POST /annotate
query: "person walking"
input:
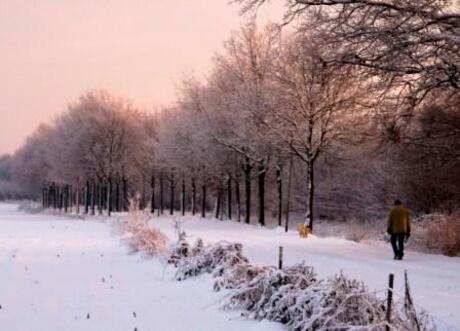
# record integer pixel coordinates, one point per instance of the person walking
(398, 229)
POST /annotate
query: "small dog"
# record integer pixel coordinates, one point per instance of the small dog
(304, 231)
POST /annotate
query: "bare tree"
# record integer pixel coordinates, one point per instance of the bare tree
(317, 106)
(412, 45)
(238, 97)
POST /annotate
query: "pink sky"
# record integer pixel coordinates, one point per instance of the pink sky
(51, 51)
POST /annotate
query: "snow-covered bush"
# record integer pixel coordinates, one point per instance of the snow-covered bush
(438, 233)
(238, 275)
(213, 259)
(267, 295)
(139, 236)
(293, 295)
(354, 229)
(181, 249)
(339, 303)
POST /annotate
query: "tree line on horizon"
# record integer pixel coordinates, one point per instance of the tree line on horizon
(356, 105)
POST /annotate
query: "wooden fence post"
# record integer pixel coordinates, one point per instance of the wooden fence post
(389, 300)
(280, 258)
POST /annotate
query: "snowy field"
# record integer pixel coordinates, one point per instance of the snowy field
(55, 271)
(61, 273)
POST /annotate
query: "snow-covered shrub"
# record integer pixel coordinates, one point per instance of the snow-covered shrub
(238, 275)
(336, 304)
(139, 236)
(353, 229)
(438, 233)
(294, 297)
(357, 232)
(198, 247)
(213, 259)
(447, 233)
(181, 249)
(268, 294)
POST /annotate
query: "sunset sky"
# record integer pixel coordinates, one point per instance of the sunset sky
(51, 51)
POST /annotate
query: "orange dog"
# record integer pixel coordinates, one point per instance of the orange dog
(304, 231)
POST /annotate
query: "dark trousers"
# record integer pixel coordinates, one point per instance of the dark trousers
(397, 242)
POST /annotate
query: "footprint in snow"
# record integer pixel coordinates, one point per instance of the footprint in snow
(134, 314)
(88, 316)
(103, 279)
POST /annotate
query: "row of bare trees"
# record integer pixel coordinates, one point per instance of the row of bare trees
(356, 105)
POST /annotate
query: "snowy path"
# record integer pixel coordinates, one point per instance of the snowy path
(55, 271)
(434, 279)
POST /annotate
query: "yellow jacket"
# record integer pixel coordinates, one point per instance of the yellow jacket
(399, 221)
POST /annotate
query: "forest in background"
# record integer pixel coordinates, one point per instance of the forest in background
(347, 106)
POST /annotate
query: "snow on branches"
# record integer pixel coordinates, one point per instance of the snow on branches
(215, 259)
(294, 295)
(139, 236)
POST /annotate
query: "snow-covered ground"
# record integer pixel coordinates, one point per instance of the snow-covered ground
(56, 270)
(67, 274)
(434, 279)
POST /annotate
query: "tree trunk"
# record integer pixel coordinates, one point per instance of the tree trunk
(261, 192)
(183, 198)
(50, 197)
(100, 197)
(109, 196)
(117, 195)
(61, 198)
(70, 204)
(311, 192)
(77, 198)
(50, 194)
(171, 200)
(65, 196)
(238, 199)
(125, 201)
(193, 196)
(218, 203)
(143, 200)
(69, 199)
(279, 184)
(152, 198)
(161, 194)
(56, 197)
(229, 197)
(247, 181)
(43, 198)
(87, 197)
(93, 198)
(288, 202)
(103, 196)
(203, 201)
